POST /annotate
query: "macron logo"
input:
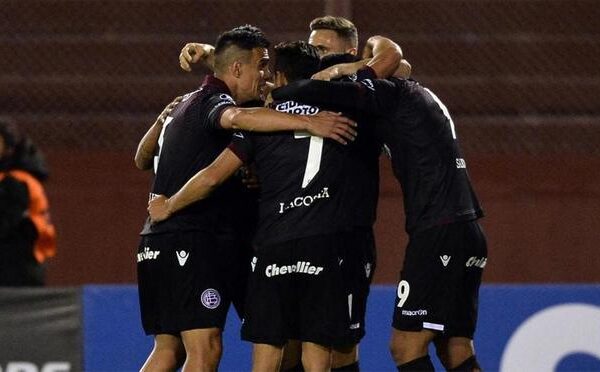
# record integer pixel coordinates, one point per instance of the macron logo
(182, 257)
(445, 259)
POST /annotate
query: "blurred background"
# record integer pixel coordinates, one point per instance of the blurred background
(86, 78)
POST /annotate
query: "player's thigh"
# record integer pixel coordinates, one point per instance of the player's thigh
(357, 250)
(440, 279)
(270, 297)
(155, 279)
(200, 293)
(324, 311)
(423, 288)
(471, 250)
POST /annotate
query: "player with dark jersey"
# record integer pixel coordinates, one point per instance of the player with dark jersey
(302, 238)
(189, 267)
(438, 291)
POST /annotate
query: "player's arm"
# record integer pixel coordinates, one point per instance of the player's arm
(148, 146)
(373, 97)
(260, 119)
(404, 70)
(197, 188)
(196, 52)
(380, 54)
(385, 55)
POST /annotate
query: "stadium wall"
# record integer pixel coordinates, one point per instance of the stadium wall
(520, 77)
(541, 221)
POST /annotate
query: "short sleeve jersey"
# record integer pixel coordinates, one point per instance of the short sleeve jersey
(426, 159)
(300, 177)
(421, 136)
(191, 139)
(361, 176)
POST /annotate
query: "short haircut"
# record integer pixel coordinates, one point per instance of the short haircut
(343, 27)
(297, 60)
(240, 39)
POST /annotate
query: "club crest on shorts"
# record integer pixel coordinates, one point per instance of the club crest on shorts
(211, 299)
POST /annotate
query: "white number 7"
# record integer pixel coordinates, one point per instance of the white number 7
(161, 139)
(444, 110)
(313, 161)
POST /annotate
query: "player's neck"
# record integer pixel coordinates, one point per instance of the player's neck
(231, 83)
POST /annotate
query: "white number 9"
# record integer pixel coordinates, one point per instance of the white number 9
(403, 291)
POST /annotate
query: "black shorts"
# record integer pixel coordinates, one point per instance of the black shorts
(440, 279)
(358, 268)
(297, 291)
(187, 280)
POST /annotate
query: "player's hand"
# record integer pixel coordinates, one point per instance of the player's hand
(158, 208)
(167, 110)
(332, 125)
(249, 178)
(191, 53)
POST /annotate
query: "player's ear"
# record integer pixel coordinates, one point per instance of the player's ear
(236, 69)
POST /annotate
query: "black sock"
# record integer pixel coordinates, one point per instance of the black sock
(347, 368)
(420, 364)
(467, 366)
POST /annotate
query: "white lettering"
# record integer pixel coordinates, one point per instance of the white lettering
(477, 262)
(147, 254)
(301, 267)
(419, 312)
(294, 107)
(304, 201)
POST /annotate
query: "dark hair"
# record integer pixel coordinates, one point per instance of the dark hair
(297, 60)
(25, 155)
(343, 27)
(242, 38)
(245, 37)
(334, 59)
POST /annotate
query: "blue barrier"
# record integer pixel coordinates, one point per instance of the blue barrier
(521, 327)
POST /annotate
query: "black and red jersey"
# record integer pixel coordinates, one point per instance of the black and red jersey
(191, 139)
(420, 134)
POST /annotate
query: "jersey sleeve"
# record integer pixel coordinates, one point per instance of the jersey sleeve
(365, 72)
(217, 103)
(242, 146)
(365, 95)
